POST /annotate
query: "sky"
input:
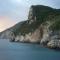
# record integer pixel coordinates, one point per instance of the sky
(14, 11)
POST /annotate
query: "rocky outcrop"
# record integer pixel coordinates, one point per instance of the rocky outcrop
(54, 44)
(6, 35)
(42, 26)
(54, 41)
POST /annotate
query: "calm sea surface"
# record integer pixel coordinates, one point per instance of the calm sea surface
(23, 51)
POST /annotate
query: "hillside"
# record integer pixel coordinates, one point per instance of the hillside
(37, 15)
(42, 26)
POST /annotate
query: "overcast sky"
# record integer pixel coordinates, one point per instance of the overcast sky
(13, 11)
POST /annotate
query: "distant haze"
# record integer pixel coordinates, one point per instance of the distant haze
(13, 11)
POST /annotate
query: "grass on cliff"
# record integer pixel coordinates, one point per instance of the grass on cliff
(56, 23)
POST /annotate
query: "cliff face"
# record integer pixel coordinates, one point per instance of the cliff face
(42, 26)
(33, 37)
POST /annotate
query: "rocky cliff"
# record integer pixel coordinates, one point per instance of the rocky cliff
(42, 26)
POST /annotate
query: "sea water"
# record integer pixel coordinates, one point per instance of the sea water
(26, 51)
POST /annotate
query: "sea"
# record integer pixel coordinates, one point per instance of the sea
(26, 51)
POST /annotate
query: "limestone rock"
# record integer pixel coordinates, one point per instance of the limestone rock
(53, 44)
